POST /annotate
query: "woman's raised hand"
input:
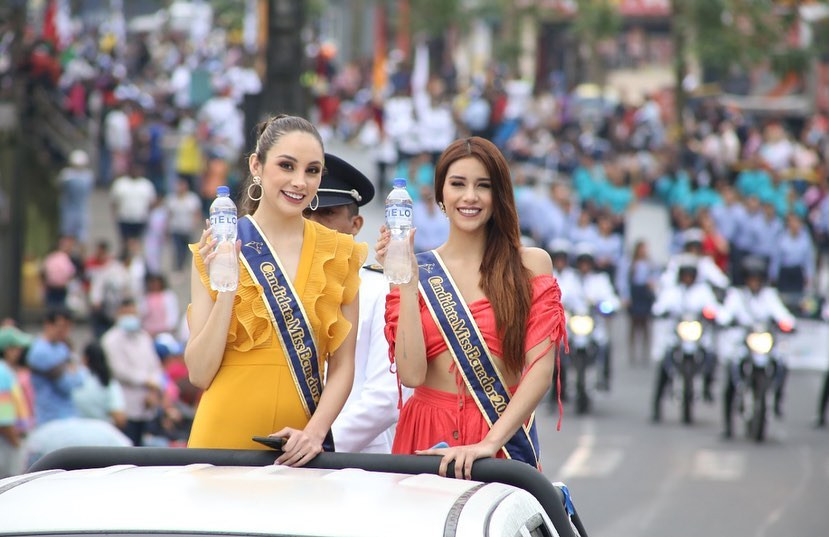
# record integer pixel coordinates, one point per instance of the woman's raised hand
(207, 246)
(382, 244)
(381, 248)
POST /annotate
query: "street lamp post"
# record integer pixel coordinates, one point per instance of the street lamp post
(284, 55)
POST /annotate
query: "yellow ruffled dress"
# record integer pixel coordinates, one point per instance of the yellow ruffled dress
(253, 392)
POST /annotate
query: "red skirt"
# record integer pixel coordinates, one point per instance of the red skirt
(431, 416)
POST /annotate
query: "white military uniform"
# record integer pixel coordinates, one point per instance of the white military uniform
(678, 300)
(592, 289)
(367, 421)
(707, 272)
(747, 308)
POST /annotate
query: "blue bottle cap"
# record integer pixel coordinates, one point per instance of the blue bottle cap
(223, 191)
(399, 182)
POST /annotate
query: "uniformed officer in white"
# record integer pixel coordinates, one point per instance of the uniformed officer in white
(586, 289)
(687, 296)
(707, 270)
(366, 423)
(560, 254)
(755, 303)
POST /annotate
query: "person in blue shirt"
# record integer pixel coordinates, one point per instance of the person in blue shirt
(704, 196)
(793, 260)
(637, 280)
(754, 181)
(680, 193)
(728, 213)
(584, 232)
(743, 241)
(616, 195)
(432, 225)
(548, 220)
(525, 201)
(607, 246)
(586, 177)
(765, 232)
(54, 373)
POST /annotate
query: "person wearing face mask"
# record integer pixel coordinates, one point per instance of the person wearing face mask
(475, 390)
(132, 359)
(259, 351)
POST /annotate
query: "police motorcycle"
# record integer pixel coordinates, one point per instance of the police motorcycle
(584, 348)
(688, 352)
(758, 367)
(752, 377)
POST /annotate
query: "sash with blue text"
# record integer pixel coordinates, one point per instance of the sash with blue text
(471, 355)
(287, 315)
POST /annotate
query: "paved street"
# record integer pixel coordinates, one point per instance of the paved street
(632, 478)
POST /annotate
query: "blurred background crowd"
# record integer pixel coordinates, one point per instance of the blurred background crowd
(137, 112)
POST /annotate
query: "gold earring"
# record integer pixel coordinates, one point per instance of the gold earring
(257, 181)
(442, 207)
(312, 206)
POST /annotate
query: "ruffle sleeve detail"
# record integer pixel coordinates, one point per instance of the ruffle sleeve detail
(250, 324)
(333, 280)
(546, 319)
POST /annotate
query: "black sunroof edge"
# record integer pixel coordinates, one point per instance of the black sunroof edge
(509, 472)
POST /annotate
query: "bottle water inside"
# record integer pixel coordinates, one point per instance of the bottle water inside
(224, 268)
(397, 266)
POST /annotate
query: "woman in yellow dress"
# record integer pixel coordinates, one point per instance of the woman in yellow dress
(261, 377)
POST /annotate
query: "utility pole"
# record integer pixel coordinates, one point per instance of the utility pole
(284, 56)
(680, 42)
(11, 168)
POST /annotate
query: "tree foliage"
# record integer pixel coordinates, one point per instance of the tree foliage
(729, 33)
(597, 20)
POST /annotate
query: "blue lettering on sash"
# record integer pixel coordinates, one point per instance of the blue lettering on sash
(292, 327)
(472, 355)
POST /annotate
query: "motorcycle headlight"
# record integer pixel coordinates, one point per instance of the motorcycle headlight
(689, 330)
(760, 342)
(581, 325)
(605, 307)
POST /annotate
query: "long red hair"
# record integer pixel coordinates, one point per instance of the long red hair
(504, 278)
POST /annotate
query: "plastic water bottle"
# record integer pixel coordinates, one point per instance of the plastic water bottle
(398, 265)
(224, 268)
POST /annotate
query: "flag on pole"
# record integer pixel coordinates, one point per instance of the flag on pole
(379, 76)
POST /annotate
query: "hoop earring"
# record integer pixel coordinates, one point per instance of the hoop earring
(257, 181)
(312, 206)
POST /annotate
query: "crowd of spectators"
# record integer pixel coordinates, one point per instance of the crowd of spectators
(166, 122)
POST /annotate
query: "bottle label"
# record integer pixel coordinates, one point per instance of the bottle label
(223, 223)
(398, 216)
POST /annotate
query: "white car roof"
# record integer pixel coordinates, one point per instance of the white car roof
(202, 498)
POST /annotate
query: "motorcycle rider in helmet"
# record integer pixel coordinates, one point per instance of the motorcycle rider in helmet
(687, 296)
(754, 303)
(707, 270)
(586, 286)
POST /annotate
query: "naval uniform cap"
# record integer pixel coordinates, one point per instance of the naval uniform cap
(342, 184)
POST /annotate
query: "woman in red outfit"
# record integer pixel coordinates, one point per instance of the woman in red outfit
(514, 304)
